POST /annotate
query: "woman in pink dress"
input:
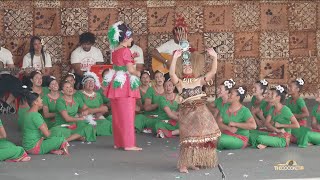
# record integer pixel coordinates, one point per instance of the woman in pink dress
(122, 87)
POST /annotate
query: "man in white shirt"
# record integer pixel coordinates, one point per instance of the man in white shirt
(137, 55)
(168, 48)
(6, 60)
(85, 56)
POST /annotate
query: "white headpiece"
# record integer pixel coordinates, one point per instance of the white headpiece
(279, 88)
(241, 90)
(264, 82)
(300, 81)
(91, 75)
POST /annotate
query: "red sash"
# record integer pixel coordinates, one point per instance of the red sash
(302, 122)
(316, 130)
(244, 139)
(36, 148)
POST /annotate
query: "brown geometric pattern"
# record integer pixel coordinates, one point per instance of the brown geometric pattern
(18, 23)
(274, 71)
(74, 21)
(246, 44)
(47, 4)
(302, 43)
(246, 16)
(255, 38)
(160, 20)
(70, 43)
(246, 71)
(57, 71)
(47, 21)
(101, 19)
(136, 18)
(302, 16)
(218, 18)
(103, 45)
(53, 45)
(18, 47)
(193, 16)
(274, 44)
(306, 68)
(225, 41)
(274, 16)
(102, 4)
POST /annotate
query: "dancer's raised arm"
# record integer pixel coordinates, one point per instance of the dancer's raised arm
(172, 70)
(213, 69)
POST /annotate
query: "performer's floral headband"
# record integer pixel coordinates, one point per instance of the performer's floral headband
(264, 82)
(300, 81)
(91, 75)
(114, 34)
(280, 88)
(241, 91)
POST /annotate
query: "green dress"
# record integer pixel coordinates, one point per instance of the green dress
(284, 117)
(151, 94)
(163, 117)
(82, 127)
(21, 116)
(219, 103)
(105, 100)
(239, 139)
(8, 150)
(32, 134)
(314, 136)
(300, 135)
(104, 126)
(51, 104)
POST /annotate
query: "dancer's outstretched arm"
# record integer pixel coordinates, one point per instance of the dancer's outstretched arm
(213, 69)
(172, 71)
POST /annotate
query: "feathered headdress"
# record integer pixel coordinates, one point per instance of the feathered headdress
(91, 75)
(114, 34)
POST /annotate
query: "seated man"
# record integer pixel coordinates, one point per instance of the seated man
(137, 55)
(84, 56)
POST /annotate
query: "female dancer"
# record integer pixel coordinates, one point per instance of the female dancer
(235, 121)
(314, 135)
(50, 100)
(258, 102)
(9, 151)
(279, 122)
(122, 87)
(37, 139)
(199, 131)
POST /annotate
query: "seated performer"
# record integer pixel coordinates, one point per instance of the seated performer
(279, 122)
(84, 56)
(9, 151)
(235, 121)
(37, 139)
(94, 102)
(70, 120)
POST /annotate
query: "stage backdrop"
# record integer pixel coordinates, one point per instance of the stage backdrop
(276, 40)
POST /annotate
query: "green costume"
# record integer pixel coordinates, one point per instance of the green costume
(163, 102)
(8, 150)
(51, 104)
(104, 126)
(276, 140)
(151, 94)
(219, 103)
(239, 139)
(82, 127)
(32, 135)
(105, 100)
(21, 116)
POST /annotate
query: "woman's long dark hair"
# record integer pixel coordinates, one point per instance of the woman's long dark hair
(32, 51)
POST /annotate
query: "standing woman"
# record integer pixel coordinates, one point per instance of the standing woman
(50, 100)
(279, 122)
(235, 121)
(37, 139)
(198, 129)
(122, 87)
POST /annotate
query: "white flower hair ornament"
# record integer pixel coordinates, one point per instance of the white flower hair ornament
(264, 82)
(146, 71)
(228, 84)
(233, 83)
(52, 77)
(279, 88)
(24, 87)
(241, 90)
(71, 74)
(300, 81)
(91, 75)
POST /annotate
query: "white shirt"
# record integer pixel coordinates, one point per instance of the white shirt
(5, 57)
(169, 47)
(86, 59)
(138, 50)
(37, 61)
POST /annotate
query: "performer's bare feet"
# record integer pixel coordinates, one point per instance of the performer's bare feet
(194, 168)
(261, 146)
(133, 149)
(310, 144)
(57, 152)
(184, 169)
(26, 159)
(115, 147)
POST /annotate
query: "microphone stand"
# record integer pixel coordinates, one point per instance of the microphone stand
(221, 170)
